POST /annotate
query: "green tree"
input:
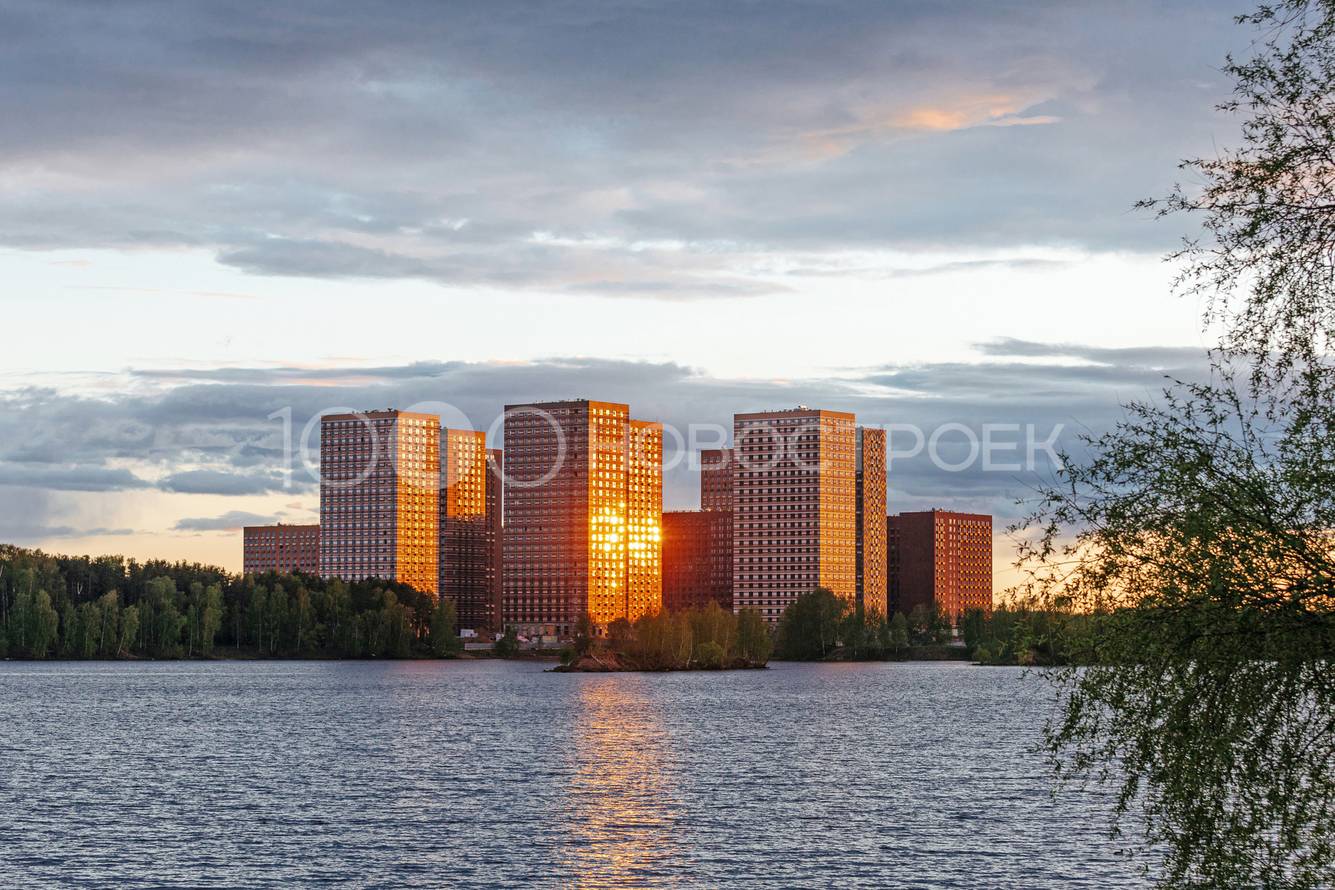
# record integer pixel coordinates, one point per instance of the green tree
(972, 627)
(43, 626)
(129, 631)
(445, 642)
(899, 635)
(585, 634)
(108, 624)
(809, 627)
(210, 618)
(754, 643)
(508, 644)
(1192, 547)
(161, 621)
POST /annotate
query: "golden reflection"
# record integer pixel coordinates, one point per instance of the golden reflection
(621, 805)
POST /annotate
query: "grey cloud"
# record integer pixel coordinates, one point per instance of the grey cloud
(435, 140)
(212, 432)
(1134, 356)
(215, 482)
(31, 515)
(229, 521)
(67, 478)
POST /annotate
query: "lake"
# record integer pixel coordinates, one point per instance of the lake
(465, 773)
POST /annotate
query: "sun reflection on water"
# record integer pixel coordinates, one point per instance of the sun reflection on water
(621, 809)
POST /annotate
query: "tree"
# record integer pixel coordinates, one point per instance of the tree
(43, 625)
(809, 627)
(129, 630)
(899, 635)
(585, 633)
(210, 618)
(753, 639)
(508, 645)
(445, 642)
(1268, 208)
(1195, 539)
(972, 627)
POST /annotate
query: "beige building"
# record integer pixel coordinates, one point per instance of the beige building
(794, 507)
(583, 510)
(379, 497)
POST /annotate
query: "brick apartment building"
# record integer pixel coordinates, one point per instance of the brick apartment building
(942, 558)
(280, 548)
(583, 507)
(379, 497)
(794, 507)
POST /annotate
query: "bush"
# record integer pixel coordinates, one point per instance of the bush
(709, 656)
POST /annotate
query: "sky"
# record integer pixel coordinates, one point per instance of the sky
(218, 220)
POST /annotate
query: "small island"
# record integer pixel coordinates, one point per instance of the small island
(701, 639)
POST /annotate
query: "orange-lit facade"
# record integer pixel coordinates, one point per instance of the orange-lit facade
(280, 548)
(872, 582)
(794, 507)
(693, 572)
(467, 536)
(583, 504)
(380, 498)
(942, 558)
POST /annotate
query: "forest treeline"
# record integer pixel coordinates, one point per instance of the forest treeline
(822, 626)
(113, 607)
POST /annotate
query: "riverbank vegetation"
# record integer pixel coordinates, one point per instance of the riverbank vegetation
(820, 626)
(708, 638)
(111, 607)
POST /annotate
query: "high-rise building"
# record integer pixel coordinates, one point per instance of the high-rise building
(716, 469)
(379, 497)
(794, 507)
(280, 548)
(467, 536)
(716, 479)
(871, 520)
(694, 572)
(495, 531)
(583, 508)
(940, 558)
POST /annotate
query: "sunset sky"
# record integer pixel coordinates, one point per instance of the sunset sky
(922, 212)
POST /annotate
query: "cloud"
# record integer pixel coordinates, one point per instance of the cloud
(664, 148)
(213, 431)
(231, 521)
(70, 478)
(215, 482)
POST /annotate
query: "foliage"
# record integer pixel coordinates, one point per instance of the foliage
(508, 645)
(708, 638)
(586, 632)
(111, 607)
(809, 627)
(445, 640)
(1195, 539)
(1267, 208)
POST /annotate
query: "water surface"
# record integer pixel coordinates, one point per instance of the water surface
(432, 774)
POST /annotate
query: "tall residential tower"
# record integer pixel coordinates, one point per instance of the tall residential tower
(583, 513)
(794, 507)
(871, 520)
(379, 497)
(469, 511)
